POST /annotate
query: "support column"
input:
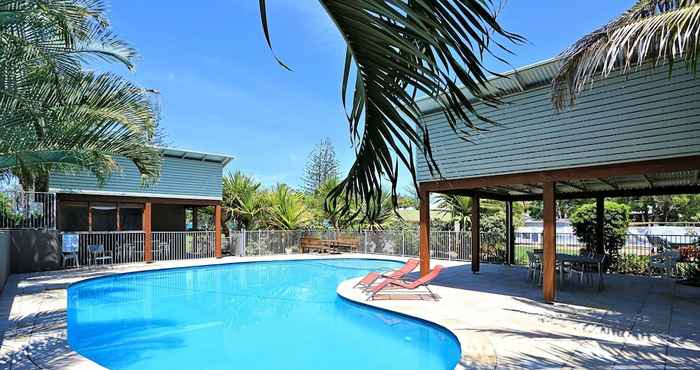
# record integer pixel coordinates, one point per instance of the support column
(195, 218)
(510, 233)
(217, 230)
(89, 216)
(476, 237)
(600, 225)
(119, 221)
(424, 234)
(147, 236)
(549, 240)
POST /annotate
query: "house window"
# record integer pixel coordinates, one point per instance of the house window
(74, 216)
(130, 216)
(104, 216)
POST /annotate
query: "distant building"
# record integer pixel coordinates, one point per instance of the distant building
(189, 180)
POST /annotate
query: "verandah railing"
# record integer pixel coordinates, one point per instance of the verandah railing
(123, 246)
(27, 210)
(129, 246)
(178, 245)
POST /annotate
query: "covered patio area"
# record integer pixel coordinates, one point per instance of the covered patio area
(501, 322)
(656, 177)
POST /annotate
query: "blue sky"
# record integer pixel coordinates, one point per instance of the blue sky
(222, 91)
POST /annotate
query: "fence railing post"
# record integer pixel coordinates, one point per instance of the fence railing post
(364, 236)
(243, 242)
(403, 243)
(449, 245)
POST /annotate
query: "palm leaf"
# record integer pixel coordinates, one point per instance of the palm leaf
(85, 122)
(242, 199)
(53, 114)
(398, 49)
(458, 208)
(660, 31)
(287, 209)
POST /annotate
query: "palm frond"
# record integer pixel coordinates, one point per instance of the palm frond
(379, 212)
(52, 113)
(458, 208)
(659, 31)
(287, 209)
(398, 49)
(242, 199)
(84, 122)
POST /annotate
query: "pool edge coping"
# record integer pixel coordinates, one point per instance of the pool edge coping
(346, 290)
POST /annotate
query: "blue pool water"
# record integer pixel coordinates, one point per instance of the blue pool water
(266, 315)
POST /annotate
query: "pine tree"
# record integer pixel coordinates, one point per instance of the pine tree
(321, 166)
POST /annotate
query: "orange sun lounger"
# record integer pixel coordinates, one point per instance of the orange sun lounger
(370, 278)
(389, 283)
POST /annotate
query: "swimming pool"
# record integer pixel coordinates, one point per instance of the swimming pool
(282, 315)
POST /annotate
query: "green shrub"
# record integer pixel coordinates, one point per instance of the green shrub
(493, 224)
(689, 271)
(631, 264)
(7, 212)
(493, 237)
(616, 221)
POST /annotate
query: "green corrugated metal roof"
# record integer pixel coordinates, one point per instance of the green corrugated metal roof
(196, 155)
(517, 80)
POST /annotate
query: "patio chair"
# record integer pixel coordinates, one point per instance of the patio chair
(70, 253)
(388, 284)
(96, 254)
(665, 261)
(534, 266)
(132, 252)
(161, 251)
(584, 271)
(370, 278)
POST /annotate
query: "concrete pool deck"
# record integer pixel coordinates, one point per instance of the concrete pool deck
(502, 322)
(499, 317)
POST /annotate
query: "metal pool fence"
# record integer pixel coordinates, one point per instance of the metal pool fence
(451, 245)
(128, 246)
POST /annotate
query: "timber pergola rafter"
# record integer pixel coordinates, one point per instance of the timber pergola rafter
(678, 175)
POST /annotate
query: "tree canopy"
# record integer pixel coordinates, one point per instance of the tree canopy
(54, 113)
(655, 31)
(322, 166)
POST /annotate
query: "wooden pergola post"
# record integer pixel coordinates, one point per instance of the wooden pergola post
(147, 233)
(89, 216)
(600, 225)
(217, 231)
(476, 239)
(510, 233)
(119, 221)
(424, 233)
(549, 217)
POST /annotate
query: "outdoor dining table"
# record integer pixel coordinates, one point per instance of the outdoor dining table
(582, 260)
